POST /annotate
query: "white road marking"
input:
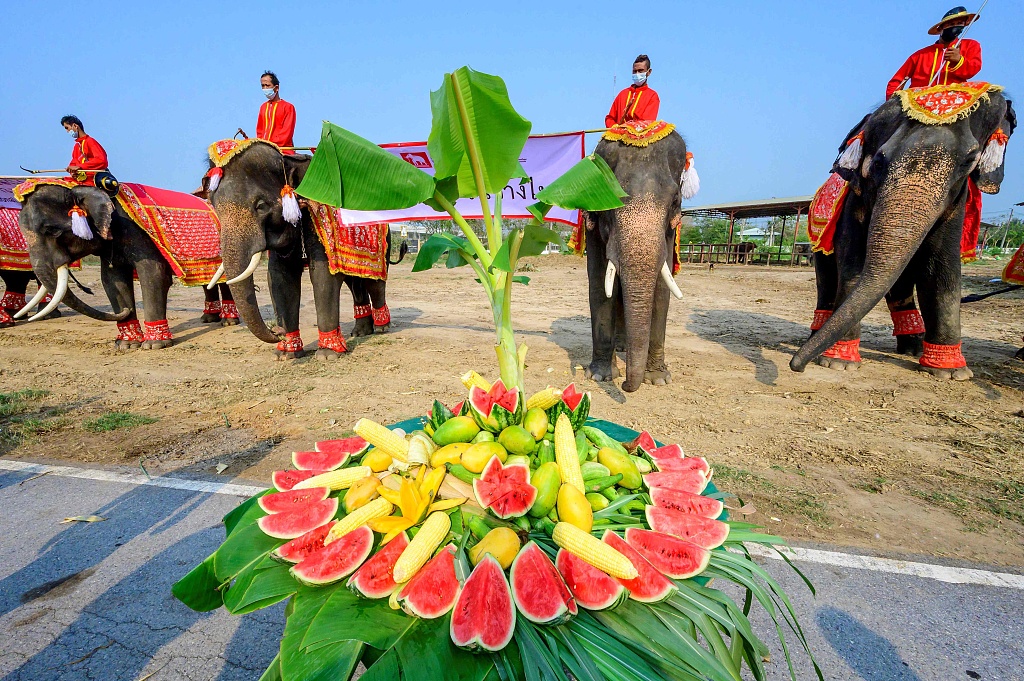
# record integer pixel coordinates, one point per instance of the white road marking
(940, 573)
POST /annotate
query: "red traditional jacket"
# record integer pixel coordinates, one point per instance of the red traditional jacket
(276, 123)
(88, 154)
(921, 66)
(633, 104)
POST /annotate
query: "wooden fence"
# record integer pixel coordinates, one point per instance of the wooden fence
(743, 254)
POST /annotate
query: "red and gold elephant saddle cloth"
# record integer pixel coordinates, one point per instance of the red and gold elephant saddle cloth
(942, 104)
(13, 249)
(224, 150)
(355, 251)
(1013, 273)
(639, 133)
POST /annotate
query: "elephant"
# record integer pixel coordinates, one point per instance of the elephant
(900, 229)
(124, 249)
(629, 261)
(15, 285)
(249, 196)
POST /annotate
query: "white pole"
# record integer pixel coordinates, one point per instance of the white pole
(956, 43)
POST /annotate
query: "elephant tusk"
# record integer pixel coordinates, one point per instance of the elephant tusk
(609, 279)
(666, 274)
(216, 277)
(32, 303)
(58, 295)
(253, 264)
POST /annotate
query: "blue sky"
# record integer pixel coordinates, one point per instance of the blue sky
(763, 91)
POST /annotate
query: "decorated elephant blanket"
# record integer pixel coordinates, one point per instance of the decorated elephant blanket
(355, 251)
(1013, 273)
(13, 249)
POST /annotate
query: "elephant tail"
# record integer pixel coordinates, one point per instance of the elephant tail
(402, 251)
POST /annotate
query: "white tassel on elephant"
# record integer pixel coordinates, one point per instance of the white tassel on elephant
(850, 160)
(995, 149)
(290, 206)
(689, 183)
(79, 224)
(215, 174)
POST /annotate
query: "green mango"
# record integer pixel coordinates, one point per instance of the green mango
(621, 464)
(592, 469)
(518, 441)
(547, 480)
(597, 502)
(536, 421)
(456, 429)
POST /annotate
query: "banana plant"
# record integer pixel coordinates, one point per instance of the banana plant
(476, 140)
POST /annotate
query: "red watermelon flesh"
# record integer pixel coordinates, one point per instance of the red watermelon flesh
(690, 463)
(319, 461)
(285, 480)
(432, 591)
(353, 446)
(537, 588)
(592, 588)
(666, 452)
(505, 490)
(685, 502)
(296, 523)
(484, 617)
(375, 578)
(674, 557)
(336, 560)
(650, 586)
(571, 396)
(704, 532)
(643, 441)
(301, 547)
(693, 482)
(292, 500)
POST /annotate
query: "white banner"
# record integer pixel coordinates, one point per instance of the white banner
(544, 158)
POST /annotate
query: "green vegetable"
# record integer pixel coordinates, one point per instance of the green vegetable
(462, 473)
(598, 484)
(601, 439)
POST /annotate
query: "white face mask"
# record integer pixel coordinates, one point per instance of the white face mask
(73, 133)
(639, 78)
(268, 93)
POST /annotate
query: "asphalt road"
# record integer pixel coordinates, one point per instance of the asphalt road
(93, 600)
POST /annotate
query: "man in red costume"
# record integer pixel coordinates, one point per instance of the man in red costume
(276, 121)
(953, 63)
(88, 156)
(638, 102)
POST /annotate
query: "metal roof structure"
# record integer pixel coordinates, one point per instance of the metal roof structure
(743, 210)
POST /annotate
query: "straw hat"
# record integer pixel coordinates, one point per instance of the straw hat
(958, 15)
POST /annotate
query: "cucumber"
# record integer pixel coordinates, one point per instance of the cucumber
(601, 439)
(477, 526)
(611, 493)
(592, 469)
(598, 484)
(642, 464)
(546, 452)
(545, 526)
(582, 447)
(522, 523)
(462, 473)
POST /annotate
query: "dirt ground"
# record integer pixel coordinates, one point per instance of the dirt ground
(887, 458)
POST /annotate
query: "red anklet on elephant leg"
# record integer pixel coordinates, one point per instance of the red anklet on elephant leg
(361, 311)
(820, 317)
(211, 307)
(943, 356)
(4, 317)
(291, 342)
(848, 351)
(907, 322)
(130, 331)
(333, 340)
(12, 301)
(381, 316)
(228, 310)
(46, 299)
(157, 331)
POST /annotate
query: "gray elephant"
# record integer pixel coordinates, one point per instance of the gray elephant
(901, 226)
(630, 258)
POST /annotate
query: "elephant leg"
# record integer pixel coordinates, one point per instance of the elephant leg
(155, 282)
(657, 372)
(327, 298)
(285, 276)
(362, 307)
(908, 325)
(211, 306)
(15, 284)
(619, 322)
(377, 290)
(120, 289)
(826, 279)
(602, 314)
(938, 289)
(228, 311)
(845, 354)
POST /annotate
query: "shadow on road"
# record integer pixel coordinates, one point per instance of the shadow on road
(870, 656)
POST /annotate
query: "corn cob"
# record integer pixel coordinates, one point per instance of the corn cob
(335, 480)
(589, 548)
(432, 532)
(472, 378)
(383, 439)
(565, 454)
(378, 508)
(545, 399)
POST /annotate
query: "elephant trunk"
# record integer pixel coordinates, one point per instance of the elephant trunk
(244, 293)
(241, 244)
(910, 202)
(55, 280)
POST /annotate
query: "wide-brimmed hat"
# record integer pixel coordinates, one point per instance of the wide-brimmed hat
(956, 14)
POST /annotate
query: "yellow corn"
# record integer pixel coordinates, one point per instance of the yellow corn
(378, 508)
(545, 399)
(471, 378)
(432, 532)
(384, 439)
(565, 454)
(335, 480)
(586, 546)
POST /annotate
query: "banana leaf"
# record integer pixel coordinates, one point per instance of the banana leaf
(245, 547)
(199, 589)
(260, 586)
(590, 185)
(434, 248)
(245, 513)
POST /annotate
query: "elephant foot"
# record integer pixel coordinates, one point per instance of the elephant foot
(602, 371)
(957, 374)
(56, 314)
(383, 328)
(657, 376)
(282, 355)
(363, 327)
(325, 355)
(230, 321)
(210, 318)
(1020, 354)
(910, 344)
(156, 344)
(838, 364)
(6, 325)
(126, 345)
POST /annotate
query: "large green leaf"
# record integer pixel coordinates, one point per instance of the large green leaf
(327, 662)
(260, 586)
(198, 589)
(273, 672)
(245, 513)
(435, 247)
(246, 546)
(349, 171)
(343, 615)
(425, 653)
(488, 124)
(590, 185)
(535, 238)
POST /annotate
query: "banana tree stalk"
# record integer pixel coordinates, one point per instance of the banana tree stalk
(475, 163)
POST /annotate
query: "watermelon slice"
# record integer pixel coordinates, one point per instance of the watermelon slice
(432, 591)
(296, 523)
(484, 617)
(538, 590)
(505, 490)
(666, 452)
(592, 588)
(354, 446)
(574, 404)
(292, 500)
(309, 543)
(285, 480)
(650, 586)
(675, 558)
(693, 482)
(338, 559)
(704, 532)
(497, 408)
(643, 442)
(375, 578)
(685, 502)
(690, 463)
(319, 461)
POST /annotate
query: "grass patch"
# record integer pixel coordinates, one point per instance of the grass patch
(795, 502)
(16, 402)
(874, 486)
(948, 501)
(116, 420)
(741, 478)
(1008, 502)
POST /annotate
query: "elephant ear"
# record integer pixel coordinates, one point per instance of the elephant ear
(295, 169)
(99, 208)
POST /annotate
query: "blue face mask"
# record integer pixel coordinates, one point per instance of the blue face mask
(73, 133)
(268, 93)
(639, 78)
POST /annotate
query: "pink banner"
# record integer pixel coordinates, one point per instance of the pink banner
(544, 159)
